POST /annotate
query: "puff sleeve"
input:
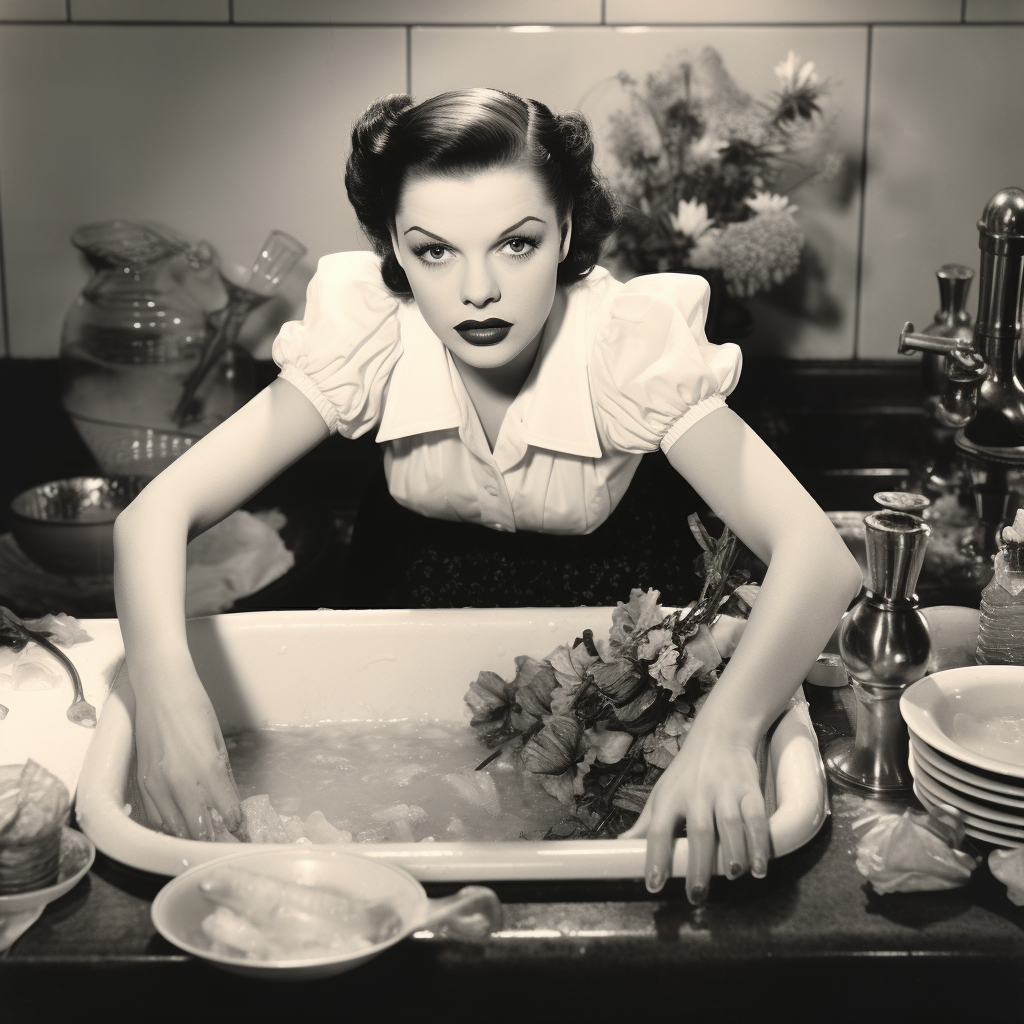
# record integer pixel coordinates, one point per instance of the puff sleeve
(653, 373)
(341, 354)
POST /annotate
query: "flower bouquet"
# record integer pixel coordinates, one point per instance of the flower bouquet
(596, 722)
(702, 168)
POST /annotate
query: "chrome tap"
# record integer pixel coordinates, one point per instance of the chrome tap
(984, 394)
(983, 366)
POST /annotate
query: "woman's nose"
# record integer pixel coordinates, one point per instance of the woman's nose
(479, 286)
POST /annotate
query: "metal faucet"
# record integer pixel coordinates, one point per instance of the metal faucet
(984, 393)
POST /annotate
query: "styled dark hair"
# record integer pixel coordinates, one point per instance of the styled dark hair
(472, 130)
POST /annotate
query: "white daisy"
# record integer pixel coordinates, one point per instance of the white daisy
(691, 218)
(770, 202)
(793, 75)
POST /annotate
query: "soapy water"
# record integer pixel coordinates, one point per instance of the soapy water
(404, 781)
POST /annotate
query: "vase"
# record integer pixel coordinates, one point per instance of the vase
(130, 343)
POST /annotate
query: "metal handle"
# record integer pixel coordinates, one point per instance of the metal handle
(911, 342)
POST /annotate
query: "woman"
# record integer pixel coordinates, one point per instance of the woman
(515, 389)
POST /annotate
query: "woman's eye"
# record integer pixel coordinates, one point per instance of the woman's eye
(519, 246)
(435, 253)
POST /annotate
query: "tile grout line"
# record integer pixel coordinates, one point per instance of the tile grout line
(858, 279)
(4, 319)
(408, 60)
(513, 24)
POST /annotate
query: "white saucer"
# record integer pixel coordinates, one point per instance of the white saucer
(936, 767)
(973, 714)
(938, 791)
(1000, 832)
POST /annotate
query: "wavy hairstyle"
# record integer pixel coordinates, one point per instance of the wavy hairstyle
(472, 130)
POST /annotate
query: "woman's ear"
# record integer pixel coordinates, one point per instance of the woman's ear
(395, 248)
(563, 249)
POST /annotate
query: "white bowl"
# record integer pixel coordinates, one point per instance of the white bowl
(180, 906)
(973, 714)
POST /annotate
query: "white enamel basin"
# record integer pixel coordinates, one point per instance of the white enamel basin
(305, 667)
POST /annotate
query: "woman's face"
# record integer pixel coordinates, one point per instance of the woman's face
(481, 252)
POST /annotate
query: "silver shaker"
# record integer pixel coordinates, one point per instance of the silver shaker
(885, 644)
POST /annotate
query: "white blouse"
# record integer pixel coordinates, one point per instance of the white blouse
(629, 369)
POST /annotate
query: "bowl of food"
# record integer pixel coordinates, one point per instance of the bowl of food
(299, 912)
(67, 526)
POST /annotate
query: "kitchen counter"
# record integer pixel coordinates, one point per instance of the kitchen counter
(810, 938)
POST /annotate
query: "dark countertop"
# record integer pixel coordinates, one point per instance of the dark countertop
(811, 939)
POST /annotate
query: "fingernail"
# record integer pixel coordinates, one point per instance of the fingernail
(654, 880)
(698, 894)
(760, 869)
(734, 869)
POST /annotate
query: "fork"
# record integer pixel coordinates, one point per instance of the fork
(81, 711)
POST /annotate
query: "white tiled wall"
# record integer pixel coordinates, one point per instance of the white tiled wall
(226, 118)
(150, 10)
(33, 10)
(420, 12)
(940, 144)
(223, 134)
(571, 68)
(774, 12)
(994, 10)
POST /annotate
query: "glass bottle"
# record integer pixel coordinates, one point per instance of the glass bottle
(134, 337)
(1001, 631)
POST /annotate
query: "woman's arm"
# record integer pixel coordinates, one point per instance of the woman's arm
(182, 759)
(811, 579)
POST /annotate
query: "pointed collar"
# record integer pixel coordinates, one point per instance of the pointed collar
(554, 405)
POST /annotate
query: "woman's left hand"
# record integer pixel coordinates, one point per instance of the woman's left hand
(713, 786)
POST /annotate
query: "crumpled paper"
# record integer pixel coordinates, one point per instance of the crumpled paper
(233, 559)
(1008, 867)
(914, 852)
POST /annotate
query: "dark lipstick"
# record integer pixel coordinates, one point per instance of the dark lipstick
(484, 332)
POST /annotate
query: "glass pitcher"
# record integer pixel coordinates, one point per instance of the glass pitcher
(135, 337)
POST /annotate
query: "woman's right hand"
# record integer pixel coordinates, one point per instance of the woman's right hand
(183, 764)
(183, 768)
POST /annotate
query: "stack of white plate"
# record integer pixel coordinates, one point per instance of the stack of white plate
(967, 747)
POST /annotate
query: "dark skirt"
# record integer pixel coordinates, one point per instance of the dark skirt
(400, 559)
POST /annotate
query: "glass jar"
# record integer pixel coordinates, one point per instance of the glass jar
(132, 340)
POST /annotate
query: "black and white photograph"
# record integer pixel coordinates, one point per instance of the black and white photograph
(511, 510)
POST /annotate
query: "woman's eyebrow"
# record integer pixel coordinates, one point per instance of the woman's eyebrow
(501, 234)
(519, 224)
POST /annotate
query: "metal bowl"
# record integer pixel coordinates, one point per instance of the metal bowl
(67, 526)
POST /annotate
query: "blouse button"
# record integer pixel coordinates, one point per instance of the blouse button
(498, 526)
(491, 490)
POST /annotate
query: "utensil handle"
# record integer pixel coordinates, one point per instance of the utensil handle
(38, 638)
(472, 913)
